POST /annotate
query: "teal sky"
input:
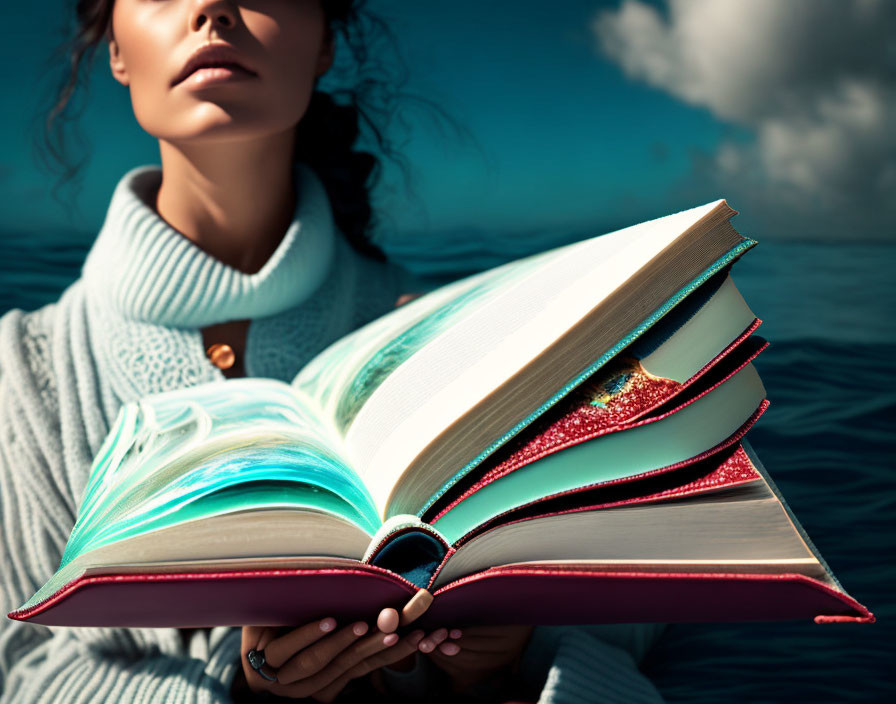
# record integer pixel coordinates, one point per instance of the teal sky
(563, 140)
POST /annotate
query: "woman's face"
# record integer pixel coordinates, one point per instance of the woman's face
(284, 42)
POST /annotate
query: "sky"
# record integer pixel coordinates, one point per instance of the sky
(577, 118)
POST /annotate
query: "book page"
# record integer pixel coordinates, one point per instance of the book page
(276, 538)
(743, 524)
(342, 378)
(657, 443)
(443, 380)
(211, 449)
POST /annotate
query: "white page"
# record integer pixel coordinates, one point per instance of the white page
(696, 529)
(337, 379)
(696, 343)
(457, 370)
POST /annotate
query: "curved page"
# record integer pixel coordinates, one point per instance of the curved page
(660, 442)
(344, 376)
(196, 452)
(217, 543)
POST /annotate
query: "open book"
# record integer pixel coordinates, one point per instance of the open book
(548, 431)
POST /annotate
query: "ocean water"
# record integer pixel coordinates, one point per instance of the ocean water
(827, 440)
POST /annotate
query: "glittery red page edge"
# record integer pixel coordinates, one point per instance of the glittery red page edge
(362, 570)
(732, 439)
(520, 462)
(735, 438)
(705, 483)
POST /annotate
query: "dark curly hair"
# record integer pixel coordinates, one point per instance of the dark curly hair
(326, 135)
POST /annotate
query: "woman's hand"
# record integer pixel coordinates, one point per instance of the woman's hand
(476, 653)
(318, 660)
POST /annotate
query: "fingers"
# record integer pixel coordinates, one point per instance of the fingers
(449, 648)
(428, 644)
(342, 666)
(250, 638)
(416, 607)
(267, 635)
(318, 660)
(404, 647)
(278, 650)
(255, 638)
(310, 660)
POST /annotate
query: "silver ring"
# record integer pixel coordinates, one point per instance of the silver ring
(257, 661)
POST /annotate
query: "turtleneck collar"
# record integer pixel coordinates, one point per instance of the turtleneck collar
(147, 271)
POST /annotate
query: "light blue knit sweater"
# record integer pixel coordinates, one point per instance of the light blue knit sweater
(130, 326)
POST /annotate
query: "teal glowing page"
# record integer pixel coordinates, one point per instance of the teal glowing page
(226, 446)
(684, 434)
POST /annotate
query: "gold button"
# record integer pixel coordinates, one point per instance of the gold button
(221, 355)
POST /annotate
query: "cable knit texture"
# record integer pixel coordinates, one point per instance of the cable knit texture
(130, 326)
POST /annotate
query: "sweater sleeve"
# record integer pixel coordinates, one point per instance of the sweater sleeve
(590, 663)
(37, 512)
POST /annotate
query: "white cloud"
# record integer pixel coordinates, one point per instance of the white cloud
(814, 80)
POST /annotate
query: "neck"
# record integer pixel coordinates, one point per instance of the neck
(145, 269)
(233, 200)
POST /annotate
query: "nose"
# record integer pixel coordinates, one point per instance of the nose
(220, 13)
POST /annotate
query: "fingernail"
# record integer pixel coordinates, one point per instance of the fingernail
(426, 646)
(440, 634)
(450, 648)
(390, 639)
(359, 629)
(328, 624)
(456, 633)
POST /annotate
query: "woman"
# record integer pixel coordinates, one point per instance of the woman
(244, 255)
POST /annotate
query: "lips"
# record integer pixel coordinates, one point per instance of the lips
(211, 55)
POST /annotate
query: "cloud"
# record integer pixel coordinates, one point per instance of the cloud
(813, 82)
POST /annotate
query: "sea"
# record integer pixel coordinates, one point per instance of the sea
(827, 440)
